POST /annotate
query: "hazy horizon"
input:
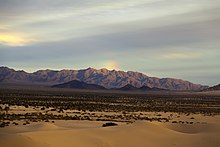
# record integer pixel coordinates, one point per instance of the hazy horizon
(160, 38)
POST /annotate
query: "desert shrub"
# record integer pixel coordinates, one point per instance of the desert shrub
(15, 123)
(174, 121)
(109, 124)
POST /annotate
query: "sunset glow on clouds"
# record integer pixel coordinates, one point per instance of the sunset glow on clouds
(165, 38)
(111, 65)
(14, 40)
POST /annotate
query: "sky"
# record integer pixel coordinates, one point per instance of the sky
(160, 38)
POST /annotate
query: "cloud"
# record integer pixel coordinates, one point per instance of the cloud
(4, 27)
(61, 20)
(14, 40)
(176, 56)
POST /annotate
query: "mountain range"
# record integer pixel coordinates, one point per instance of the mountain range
(129, 87)
(213, 88)
(75, 84)
(102, 77)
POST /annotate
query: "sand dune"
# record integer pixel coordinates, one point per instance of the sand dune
(18, 140)
(192, 129)
(138, 134)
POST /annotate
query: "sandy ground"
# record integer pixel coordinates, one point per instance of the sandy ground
(91, 134)
(204, 131)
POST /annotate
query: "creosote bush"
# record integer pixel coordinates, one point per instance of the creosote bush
(109, 124)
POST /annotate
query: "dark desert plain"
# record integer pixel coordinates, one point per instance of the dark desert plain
(109, 73)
